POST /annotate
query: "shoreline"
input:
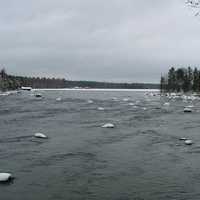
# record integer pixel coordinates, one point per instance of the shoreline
(98, 90)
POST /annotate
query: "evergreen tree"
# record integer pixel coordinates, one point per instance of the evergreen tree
(180, 73)
(182, 79)
(162, 84)
(190, 78)
(172, 80)
(195, 80)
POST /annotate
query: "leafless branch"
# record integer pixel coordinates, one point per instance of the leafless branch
(195, 4)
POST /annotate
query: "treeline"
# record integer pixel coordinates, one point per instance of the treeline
(181, 80)
(109, 85)
(10, 82)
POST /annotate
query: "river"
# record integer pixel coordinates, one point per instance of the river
(141, 158)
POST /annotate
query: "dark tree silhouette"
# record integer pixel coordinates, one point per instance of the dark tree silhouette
(10, 82)
(181, 80)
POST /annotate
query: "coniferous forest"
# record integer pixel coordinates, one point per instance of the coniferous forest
(181, 80)
(11, 82)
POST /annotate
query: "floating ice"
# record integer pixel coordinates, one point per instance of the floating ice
(4, 177)
(40, 135)
(188, 142)
(108, 125)
(131, 104)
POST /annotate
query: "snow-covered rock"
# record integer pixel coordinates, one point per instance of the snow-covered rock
(114, 98)
(4, 177)
(108, 125)
(40, 135)
(100, 108)
(188, 142)
(166, 104)
(190, 106)
(183, 138)
(38, 95)
(187, 110)
(58, 99)
(126, 99)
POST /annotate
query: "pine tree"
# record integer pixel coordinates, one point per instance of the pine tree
(190, 78)
(162, 84)
(195, 80)
(171, 80)
(180, 73)
(182, 79)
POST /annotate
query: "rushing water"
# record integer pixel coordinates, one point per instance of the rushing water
(141, 158)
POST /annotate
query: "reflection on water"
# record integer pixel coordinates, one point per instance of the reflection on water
(141, 158)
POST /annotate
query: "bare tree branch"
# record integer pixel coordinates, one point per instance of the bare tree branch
(195, 4)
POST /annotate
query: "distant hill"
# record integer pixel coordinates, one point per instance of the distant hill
(11, 82)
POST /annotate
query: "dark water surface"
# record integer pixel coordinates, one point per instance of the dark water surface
(141, 158)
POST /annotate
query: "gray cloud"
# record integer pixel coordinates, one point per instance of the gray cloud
(115, 40)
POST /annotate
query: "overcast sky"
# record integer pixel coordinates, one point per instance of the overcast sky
(103, 40)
